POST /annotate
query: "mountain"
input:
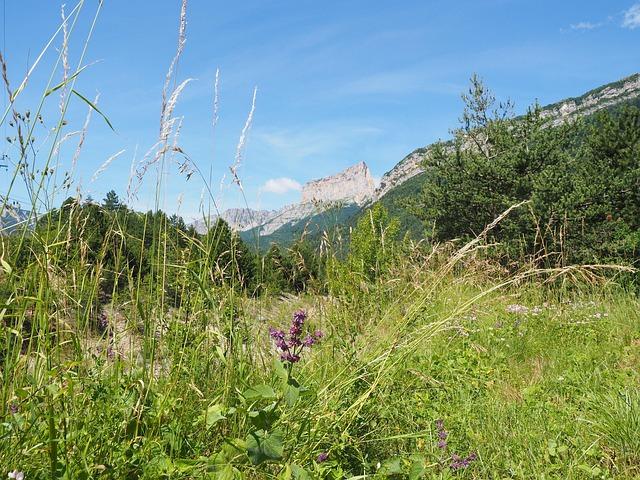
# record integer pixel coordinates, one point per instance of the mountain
(339, 199)
(343, 193)
(353, 184)
(623, 91)
(239, 219)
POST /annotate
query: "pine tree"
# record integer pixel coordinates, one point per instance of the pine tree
(111, 202)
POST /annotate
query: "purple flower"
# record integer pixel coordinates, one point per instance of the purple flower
(276, 334)
(458, 463)
(16, 475)
(289, 357)
(291, 344)
(299, 317)
(103, 321)
(442, 434)
(13, 408)
(322, 457)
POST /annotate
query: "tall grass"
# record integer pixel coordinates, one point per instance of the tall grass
(110, 373)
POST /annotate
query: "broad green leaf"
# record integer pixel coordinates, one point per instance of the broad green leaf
(259, 391)
(228, 473)
(264, 447)
(391, 467)
(280, 369)
(213, 415)
(291, 394)
(299, 473)
(417, 469)
(264, 418)
(294, 472)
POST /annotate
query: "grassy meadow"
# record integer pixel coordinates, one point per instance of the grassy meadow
(534, 376)
(133, 347)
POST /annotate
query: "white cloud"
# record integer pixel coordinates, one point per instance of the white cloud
(632, 17)
(585, 26)
(280, 185)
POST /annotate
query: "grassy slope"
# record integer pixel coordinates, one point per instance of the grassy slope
(535, 395)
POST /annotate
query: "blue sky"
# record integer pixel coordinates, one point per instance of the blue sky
(338, 81)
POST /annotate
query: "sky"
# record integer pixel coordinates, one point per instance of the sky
(337, 82)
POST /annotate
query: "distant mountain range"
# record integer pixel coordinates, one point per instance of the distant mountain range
(338, 199)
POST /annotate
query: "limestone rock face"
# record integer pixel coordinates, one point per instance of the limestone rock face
(289, 214)
(409, 166)
(591, 102)
(355, 184)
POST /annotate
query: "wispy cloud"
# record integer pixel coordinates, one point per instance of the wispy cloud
(632, 17)
(585, 26)
(280, 185)
(319, 140)
(406, 81)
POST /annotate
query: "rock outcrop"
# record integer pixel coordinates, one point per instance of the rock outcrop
(354, 184)
(408, 167)
(598, 99)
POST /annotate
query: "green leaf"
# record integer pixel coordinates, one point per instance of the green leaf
(90, 103)
(294, 472)
(391, 467)
(280, 369)
(300, 473)
(264, 418)
(291, 394)
(213, 415)
(259, 391)
(417, 469)
(228, 473)
(263, 446)
(63, 83)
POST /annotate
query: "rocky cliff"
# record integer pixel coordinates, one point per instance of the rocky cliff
(603, 97)
(353, 184)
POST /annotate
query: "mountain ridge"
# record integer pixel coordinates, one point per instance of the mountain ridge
(352, 189)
